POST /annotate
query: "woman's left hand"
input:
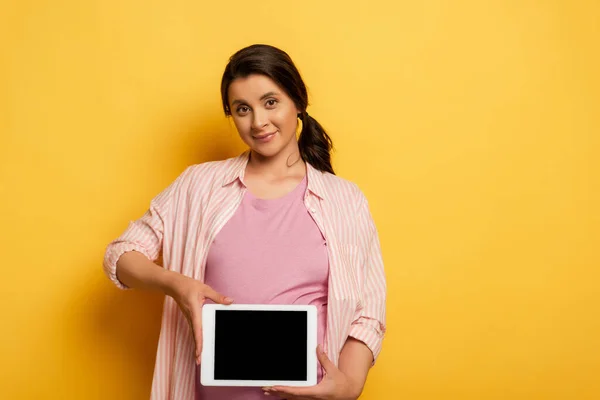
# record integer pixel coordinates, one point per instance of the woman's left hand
(335, 385)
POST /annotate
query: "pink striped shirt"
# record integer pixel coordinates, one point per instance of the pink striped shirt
(184, 219)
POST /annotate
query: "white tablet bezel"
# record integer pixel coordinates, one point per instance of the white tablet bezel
(208, 345)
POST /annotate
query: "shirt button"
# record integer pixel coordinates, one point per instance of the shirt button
(312, 210)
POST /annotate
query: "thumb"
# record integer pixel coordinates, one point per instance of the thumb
(215, 296)
(196, 319)
(324, 360)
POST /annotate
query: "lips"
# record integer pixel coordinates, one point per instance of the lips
(265, 136)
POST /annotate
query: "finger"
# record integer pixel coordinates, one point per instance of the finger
(215, 296)
(285, 393)
(284, 396)
(324, 360)
(196, 318)
(289, 392)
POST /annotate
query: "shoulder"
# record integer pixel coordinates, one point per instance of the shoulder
(341, 189)
(209, 172)
(348, 209)
(197, 181)
(346, 203)
(211, 167)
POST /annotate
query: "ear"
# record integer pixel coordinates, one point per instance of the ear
(299, 125)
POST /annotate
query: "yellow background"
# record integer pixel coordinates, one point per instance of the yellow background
(472, 127)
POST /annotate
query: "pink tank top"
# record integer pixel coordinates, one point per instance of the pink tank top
(269, 252)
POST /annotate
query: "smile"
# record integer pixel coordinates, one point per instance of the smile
(265, 138)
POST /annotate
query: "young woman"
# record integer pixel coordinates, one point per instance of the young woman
(273, 225)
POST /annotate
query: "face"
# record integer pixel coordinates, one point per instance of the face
(264, 115)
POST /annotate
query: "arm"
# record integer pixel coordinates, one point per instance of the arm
(366, 333)
(136, 271)
(144, 236)
(128, 262)
(369, 322)
(355, 361)
(346, 381)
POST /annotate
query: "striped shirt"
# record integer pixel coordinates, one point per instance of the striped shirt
(182, 222)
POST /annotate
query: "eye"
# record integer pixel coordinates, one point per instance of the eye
(242, 110)
(271, 102)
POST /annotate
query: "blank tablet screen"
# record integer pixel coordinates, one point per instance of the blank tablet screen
(260, 345)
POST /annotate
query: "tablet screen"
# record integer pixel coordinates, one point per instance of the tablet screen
(260, 345)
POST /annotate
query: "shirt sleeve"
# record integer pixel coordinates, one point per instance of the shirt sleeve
(144, 235)
(369, 323)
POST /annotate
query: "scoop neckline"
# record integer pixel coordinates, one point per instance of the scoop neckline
(267, 203)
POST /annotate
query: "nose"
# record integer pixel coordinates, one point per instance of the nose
(259, 119)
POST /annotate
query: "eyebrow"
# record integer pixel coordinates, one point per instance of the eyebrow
(264, 96)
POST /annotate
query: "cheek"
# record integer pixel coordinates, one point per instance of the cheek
(241, 124)
(285, 121)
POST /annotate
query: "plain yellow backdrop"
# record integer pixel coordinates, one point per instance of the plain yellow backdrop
(472, 127)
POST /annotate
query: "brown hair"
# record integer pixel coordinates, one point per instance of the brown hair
(314, 143)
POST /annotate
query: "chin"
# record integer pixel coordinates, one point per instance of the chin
(266, 152)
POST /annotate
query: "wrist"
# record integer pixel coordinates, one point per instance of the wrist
(355, 390)
(169, 282)
(355, 386)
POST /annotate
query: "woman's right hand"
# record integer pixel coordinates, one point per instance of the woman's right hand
(190, 295)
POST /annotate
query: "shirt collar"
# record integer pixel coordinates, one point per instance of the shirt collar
(315, 181)
(238, 167)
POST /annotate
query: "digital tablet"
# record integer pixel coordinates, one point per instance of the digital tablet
(258, 345)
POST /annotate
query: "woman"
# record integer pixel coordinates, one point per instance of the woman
(273, 225)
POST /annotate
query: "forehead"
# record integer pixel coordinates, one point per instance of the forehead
(252, 87)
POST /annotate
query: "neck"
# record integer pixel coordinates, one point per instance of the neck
(287, 162)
